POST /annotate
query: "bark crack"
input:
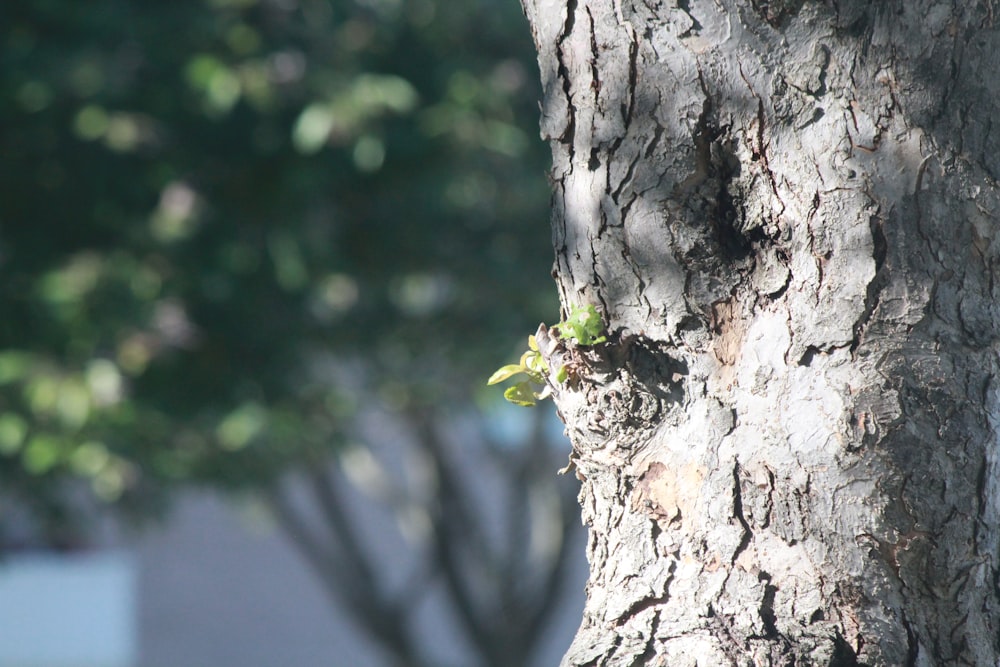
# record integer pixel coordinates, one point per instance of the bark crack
(760, 150)
(912, 645)
(873, 292)
(569, 134)
(918, 209)
(650, 651)
(734, 649)
(633, 76)
(738, 514)
(981, 498)
(594, 72)
(649, 602)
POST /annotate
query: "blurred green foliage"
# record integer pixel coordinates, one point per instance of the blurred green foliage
(226, 224)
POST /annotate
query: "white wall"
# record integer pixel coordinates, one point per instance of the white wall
(68, 610)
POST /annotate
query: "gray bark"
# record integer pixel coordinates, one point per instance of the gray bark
(787, 213)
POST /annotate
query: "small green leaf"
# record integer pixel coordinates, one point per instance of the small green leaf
(561, 374)
(505, 372)
(532, 343)
(521, 394)
(532, 361)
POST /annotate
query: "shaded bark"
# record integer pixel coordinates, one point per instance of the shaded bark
(788, 214)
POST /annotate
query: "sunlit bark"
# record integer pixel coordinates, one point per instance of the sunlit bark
(788, 214)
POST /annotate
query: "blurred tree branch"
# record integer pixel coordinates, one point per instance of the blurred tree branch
(503, 591)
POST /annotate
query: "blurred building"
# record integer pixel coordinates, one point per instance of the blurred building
(218, 585)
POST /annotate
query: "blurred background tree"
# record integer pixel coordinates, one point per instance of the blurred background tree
(243, 239)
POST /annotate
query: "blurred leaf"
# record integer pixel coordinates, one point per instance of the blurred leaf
(14, 366)
(12, 431)
(312, 129)
(241, 426)
(41, 454)
(521, 394)
(505, 372)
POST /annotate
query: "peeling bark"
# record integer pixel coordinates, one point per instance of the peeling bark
(787, 212)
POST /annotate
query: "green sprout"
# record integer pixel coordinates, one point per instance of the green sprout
(583, 326)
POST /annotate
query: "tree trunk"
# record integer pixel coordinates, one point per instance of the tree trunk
(787, 213)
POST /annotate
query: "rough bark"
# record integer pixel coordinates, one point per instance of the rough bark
(787, 213)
